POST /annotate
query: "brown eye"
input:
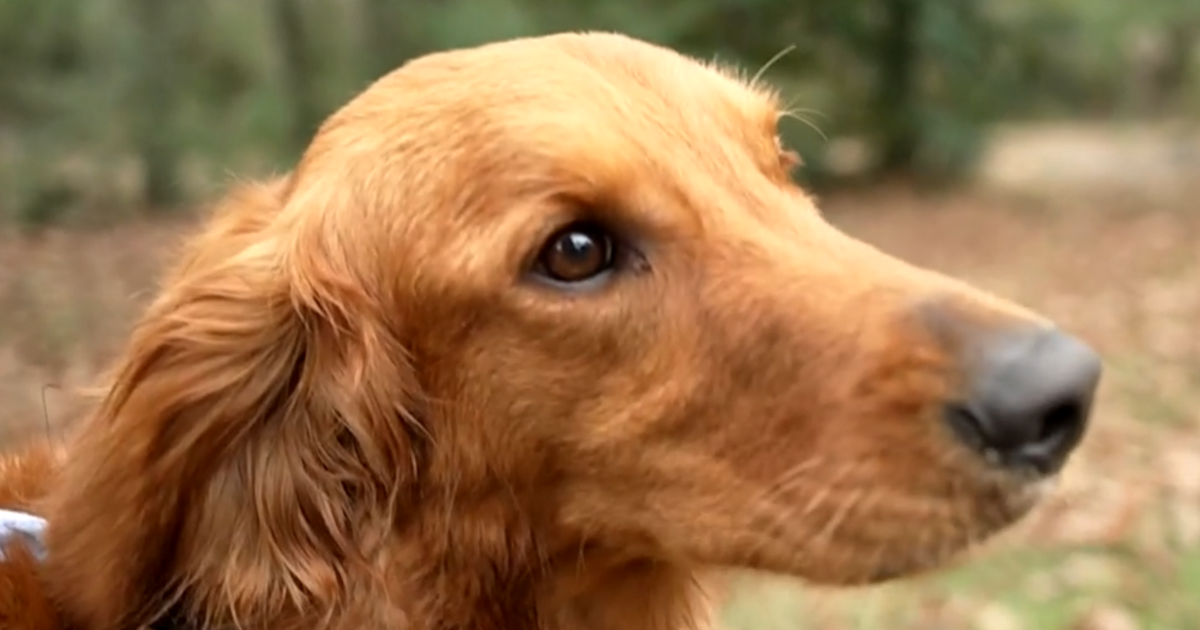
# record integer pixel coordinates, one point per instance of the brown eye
(576, 253)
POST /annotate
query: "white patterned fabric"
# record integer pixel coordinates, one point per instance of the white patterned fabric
(26, 527)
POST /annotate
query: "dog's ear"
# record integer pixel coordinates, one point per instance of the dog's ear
(255, 443)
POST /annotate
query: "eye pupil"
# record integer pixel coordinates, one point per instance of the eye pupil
(577, 253)
(578, 247)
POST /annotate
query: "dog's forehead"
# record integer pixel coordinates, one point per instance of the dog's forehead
(604, 67)
(596, 112)
(594, 93)
(580, 116)
(576, 102)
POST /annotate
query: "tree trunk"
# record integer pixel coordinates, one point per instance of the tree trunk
(154, 101)
(895, 100)
(389, 39)
(298, 71)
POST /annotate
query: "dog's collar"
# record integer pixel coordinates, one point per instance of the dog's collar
(24, 527)
(30, 530)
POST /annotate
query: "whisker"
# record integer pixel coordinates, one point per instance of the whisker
(839, 516)
(776, 516)
(770, 62)
(810, 124)
(790, 475)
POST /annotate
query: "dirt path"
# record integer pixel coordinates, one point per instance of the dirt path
(1161, 160)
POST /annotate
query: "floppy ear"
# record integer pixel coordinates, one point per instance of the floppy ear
(255, 443)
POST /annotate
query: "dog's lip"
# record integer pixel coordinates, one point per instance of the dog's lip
(1036, 491)
(1018, 500)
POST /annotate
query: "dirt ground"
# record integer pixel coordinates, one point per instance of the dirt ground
(1120, 547)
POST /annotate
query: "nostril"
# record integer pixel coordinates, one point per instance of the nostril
(1061, 422)
(966, 426)
(1028, 401)
(1041, 445)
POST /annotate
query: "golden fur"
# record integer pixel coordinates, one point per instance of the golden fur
(349, 407)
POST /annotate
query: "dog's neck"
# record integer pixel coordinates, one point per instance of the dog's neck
(637, 595)
(481, 555)
(480, 579)
(640, 595)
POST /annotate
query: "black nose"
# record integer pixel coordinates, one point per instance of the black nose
(1029, 399)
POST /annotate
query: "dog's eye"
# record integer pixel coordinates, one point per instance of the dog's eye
(576, 253)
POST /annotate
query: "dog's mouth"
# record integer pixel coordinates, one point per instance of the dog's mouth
(977, 520)
(862, 534)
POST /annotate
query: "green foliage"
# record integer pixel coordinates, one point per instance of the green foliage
(109, 104)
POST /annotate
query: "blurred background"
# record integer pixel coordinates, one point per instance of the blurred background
(1044, 149)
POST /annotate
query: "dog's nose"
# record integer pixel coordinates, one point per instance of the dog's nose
(1029, 398)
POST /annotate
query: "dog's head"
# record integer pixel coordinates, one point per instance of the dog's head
(562, 292)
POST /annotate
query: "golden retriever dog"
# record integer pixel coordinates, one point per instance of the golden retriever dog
(534, 334)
